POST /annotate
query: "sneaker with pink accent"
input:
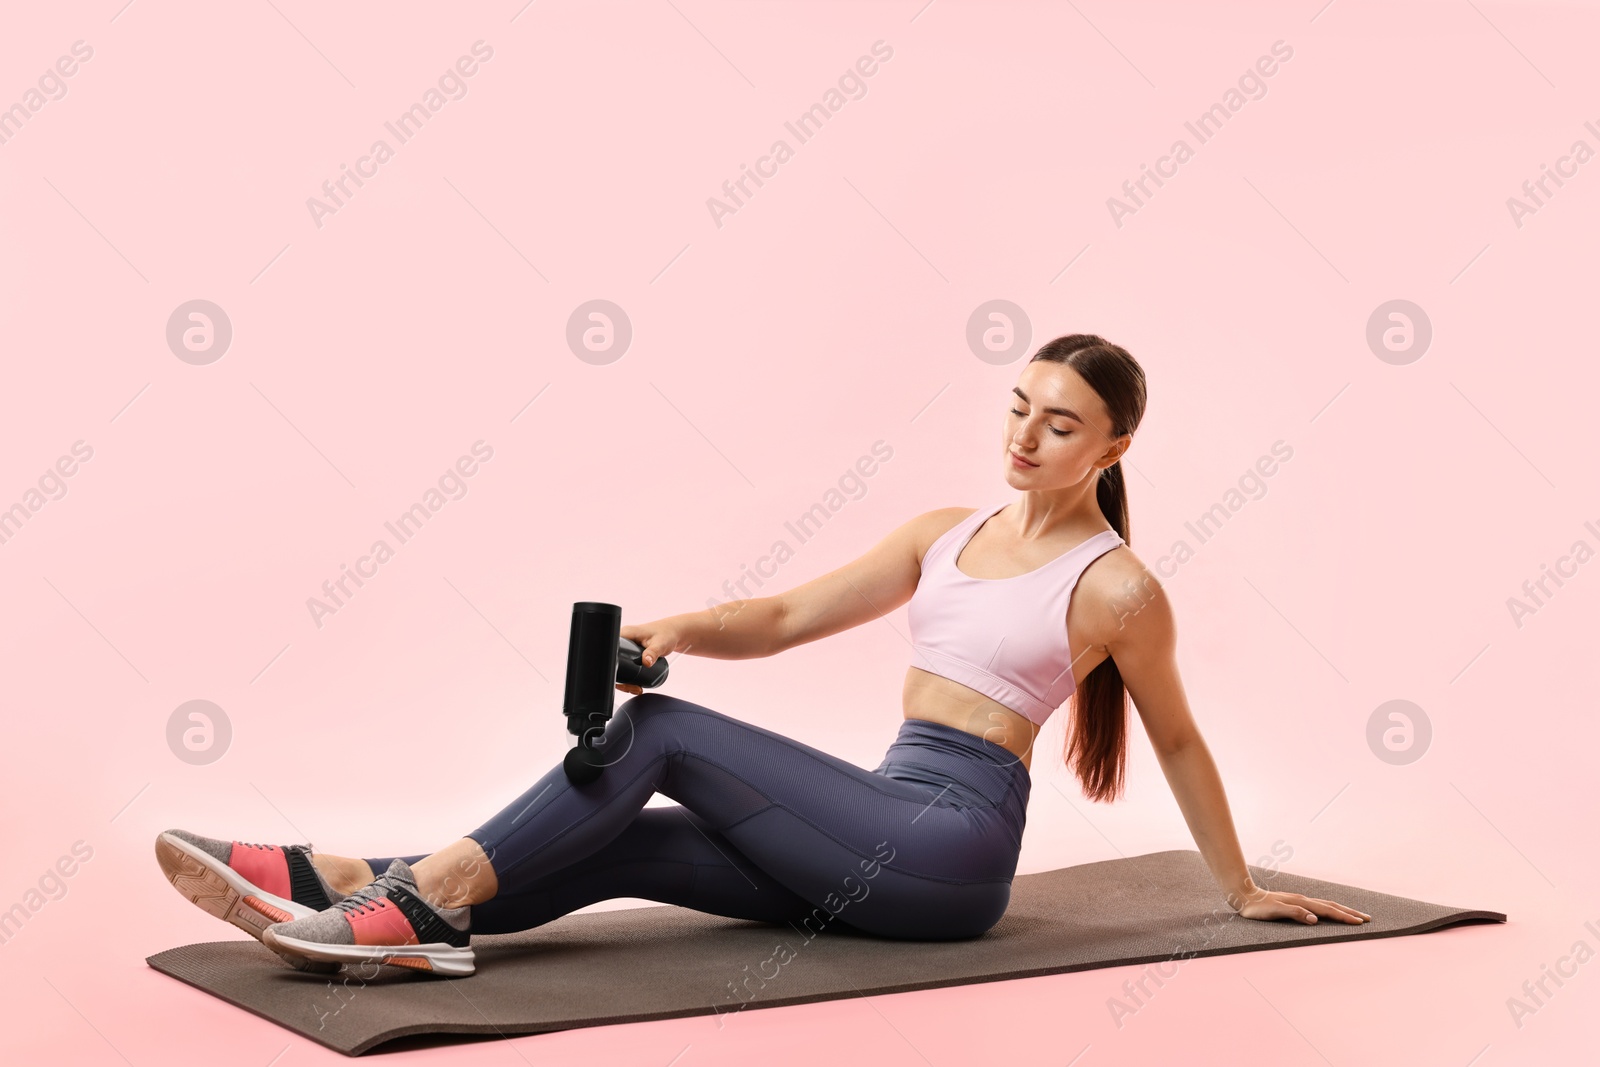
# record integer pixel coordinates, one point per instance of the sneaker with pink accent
(384, 922)
(251, 886)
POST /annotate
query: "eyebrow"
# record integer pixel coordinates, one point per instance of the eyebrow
(1068, 412)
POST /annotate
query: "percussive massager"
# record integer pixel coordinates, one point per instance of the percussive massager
(598, 659)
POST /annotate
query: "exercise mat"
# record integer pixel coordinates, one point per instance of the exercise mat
(664, 962)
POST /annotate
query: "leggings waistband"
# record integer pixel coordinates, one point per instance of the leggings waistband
(977, 770)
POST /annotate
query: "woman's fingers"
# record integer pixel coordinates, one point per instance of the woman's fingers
(652, 645)
(1302, 909)
(1334, 910)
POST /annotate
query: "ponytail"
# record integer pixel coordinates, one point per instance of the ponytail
(1097, 745)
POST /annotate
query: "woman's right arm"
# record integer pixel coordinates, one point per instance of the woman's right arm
(739, 629)
(865, 589)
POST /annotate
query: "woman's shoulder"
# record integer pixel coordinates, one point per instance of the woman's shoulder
(940, 521)
(1117, 585)
(1113, 571)
(932, 526)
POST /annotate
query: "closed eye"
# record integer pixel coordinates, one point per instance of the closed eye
(1052, 429)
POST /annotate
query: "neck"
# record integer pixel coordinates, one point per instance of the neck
(1042, 513)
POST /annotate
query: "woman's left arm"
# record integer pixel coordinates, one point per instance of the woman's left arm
(1140, 635)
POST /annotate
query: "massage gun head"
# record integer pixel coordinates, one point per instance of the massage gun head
(582, 765)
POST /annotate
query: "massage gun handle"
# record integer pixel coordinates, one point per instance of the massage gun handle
(629, 670)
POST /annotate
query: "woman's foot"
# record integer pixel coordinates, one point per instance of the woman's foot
(251, 886)
(385, 922)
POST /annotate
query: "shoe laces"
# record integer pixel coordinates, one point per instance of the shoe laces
(269, 848)
(366, 898)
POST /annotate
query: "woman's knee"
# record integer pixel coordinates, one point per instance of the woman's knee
(649, 705)
(652, 723)
(659, 712)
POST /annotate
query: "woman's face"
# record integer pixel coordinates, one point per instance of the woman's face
(1059, 425)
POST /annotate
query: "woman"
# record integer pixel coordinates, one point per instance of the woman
(766, 828)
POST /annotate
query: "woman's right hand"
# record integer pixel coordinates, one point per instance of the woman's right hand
(657, 639)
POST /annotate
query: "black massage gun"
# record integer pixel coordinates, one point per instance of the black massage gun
(598, 658)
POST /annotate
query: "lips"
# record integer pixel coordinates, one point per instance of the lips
(1019, 459)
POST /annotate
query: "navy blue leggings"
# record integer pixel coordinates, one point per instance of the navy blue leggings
(924, 847)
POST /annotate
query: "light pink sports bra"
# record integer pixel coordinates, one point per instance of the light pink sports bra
(1004, 637)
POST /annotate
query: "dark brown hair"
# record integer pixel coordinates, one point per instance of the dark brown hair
(1097, 738)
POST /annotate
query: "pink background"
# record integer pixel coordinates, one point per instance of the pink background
(768, 355)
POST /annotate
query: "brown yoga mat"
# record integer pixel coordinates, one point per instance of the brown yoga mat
(663, 962)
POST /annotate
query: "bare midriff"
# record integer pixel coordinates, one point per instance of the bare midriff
(938, 699)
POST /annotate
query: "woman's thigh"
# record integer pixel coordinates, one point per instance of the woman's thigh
(882, 855)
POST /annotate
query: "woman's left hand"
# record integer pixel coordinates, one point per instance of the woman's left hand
(1271, 904)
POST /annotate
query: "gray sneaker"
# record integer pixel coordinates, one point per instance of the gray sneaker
(251, 886)
(384, 922)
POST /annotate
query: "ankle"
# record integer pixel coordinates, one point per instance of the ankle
(456, 876)
(343, 873)
(446, 890)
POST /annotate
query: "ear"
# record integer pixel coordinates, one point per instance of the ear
(1117, 448)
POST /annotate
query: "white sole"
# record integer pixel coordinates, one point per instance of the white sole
(439, 959)
(219, 890)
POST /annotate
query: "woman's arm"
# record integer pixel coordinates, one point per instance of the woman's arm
(865, 589)
(1140, 635)
(739, 629)
(1195, 783)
